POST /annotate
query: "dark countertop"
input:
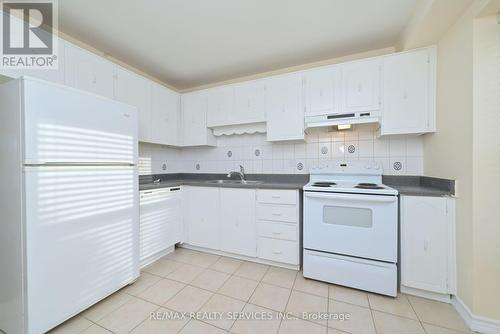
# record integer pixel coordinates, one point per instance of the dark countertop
(269, 181)
(420, 185)
(406, 185)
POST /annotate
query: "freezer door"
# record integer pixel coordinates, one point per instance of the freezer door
(82, 239)
(64, 125)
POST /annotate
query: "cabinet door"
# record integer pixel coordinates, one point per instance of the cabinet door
(203, 217)
(220, 106)
(361, 86)
(424, 243)
(250, 103)
(238, 228)
(87, 71)
(194, 121)
(407, 103)
(165, 115)
(160, 222)
(284, 110)
(322, 91)
(135, 90)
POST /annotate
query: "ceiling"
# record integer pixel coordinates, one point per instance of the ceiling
(188, 43)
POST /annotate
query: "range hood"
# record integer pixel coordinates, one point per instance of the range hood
(340, 119)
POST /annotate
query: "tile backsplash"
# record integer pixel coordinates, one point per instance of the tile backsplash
(397, 154)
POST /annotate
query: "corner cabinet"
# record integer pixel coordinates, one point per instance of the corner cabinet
(194, 120)
(165, 115)
(135, 90)
(284, 108)
(428, 246)
(409, 99)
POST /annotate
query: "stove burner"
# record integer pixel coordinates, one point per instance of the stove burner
(323, 184)
(368, 186)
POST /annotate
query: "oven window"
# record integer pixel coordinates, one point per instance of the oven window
(341, 215)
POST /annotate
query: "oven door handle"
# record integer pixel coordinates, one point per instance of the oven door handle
(363, 198)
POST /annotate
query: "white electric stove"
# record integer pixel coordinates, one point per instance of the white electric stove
(351, 227)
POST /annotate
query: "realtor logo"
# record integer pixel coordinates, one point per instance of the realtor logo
(28, 34)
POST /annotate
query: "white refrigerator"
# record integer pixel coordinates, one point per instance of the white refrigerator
(69, 230)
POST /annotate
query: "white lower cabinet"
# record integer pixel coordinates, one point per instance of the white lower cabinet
(160, 223)
(427, 245)
(203, 217)
(226, 220)
(238, 233)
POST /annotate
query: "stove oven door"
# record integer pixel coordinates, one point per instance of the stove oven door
(357, 225)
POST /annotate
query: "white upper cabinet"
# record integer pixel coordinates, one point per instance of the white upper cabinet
(322, 91)
(87, 71)
(361, 86)
(409, 100)
(427, 243)
(284, 109)
(194, 120)
(249, 103)
(220, 106)
(135, 90)
(238, 228)
(165, 115)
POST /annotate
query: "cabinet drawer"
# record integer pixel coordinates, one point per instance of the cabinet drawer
(277, 231)
(278, 250)
(277, 196)
(282, 213)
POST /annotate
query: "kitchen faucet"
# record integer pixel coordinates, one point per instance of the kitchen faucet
(241, 174)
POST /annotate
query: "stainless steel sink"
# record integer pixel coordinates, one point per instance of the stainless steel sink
(233, 182)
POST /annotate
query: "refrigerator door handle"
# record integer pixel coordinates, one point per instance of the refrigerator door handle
(80, 163)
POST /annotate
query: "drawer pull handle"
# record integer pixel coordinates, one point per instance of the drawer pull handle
(277, 197)
(276, 233)
(276, 214)
(276, 252)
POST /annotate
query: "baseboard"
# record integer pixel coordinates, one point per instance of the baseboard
(475, 322)
(440, 297)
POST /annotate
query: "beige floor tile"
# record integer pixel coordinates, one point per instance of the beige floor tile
(299, 326)
(162, 291)
(95, 329)
(162, 267)
(225, 305)
(397, 306)
(226, 265)
(203, 260)
(143, 282)
(197, 327)
(182, 255)
(76, 324)
(189, 299)
(280, 277)
(106, 306)
(432, 329)
(161, 325)
(336, 331)
(267, 325)
(238, 287)
(360, 319)
(437, 313)
(386, 323)
(186, 273)
(310, 286)
(270, 296)
(128, 316)
(210, 280)
(348, 295)
(251, 270)
(306, 306)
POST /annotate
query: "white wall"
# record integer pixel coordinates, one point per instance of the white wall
(287, 158)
